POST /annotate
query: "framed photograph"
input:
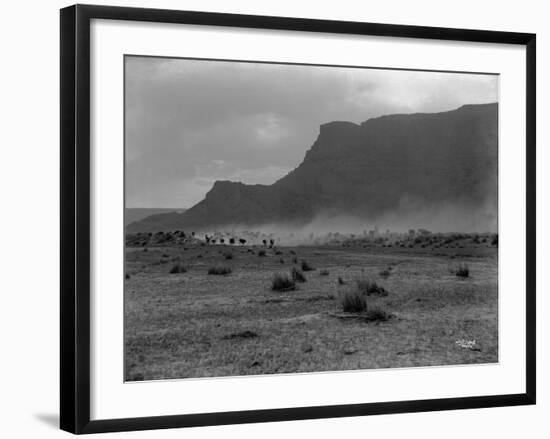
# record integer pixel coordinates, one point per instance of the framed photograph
(274, 218)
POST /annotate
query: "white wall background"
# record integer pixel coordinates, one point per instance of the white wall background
(29, 249)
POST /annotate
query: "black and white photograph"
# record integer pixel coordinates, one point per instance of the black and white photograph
(275, 219)
(292, 218)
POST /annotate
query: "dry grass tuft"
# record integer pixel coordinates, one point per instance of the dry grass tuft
(369, 287)
(377, 315)
(462, 270)
(353, 301)
(283, 282)
(178, 268)
(297, 275)
(219, 270)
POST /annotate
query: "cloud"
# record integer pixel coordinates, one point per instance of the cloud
(189, 122)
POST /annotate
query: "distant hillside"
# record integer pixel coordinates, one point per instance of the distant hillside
(133, 214)
(365, 170)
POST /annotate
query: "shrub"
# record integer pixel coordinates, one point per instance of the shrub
(281, 260)
(178, 268)
(324, 272)
(341, 281)
(283, 282)
(294, 260)
(261, 253)
(127, 276)
(353, 301)
(306, 267)
(494, 241)
(377, 315)
(297, 275)
(462, 270)
(369, 287)
(278, 252)
(385, 273)
(219, 270)
(228, 255)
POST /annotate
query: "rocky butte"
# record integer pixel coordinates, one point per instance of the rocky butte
(365, 171)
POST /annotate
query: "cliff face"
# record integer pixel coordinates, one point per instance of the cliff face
(364, 170)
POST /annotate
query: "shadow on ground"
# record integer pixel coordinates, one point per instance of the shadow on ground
(49, 419)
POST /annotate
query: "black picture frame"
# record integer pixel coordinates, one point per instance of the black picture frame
(75, 217)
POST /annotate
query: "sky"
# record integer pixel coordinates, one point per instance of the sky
(189, 122)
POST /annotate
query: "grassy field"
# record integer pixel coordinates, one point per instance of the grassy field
(182, 322)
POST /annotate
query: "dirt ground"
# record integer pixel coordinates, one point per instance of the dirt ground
(195, 324)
